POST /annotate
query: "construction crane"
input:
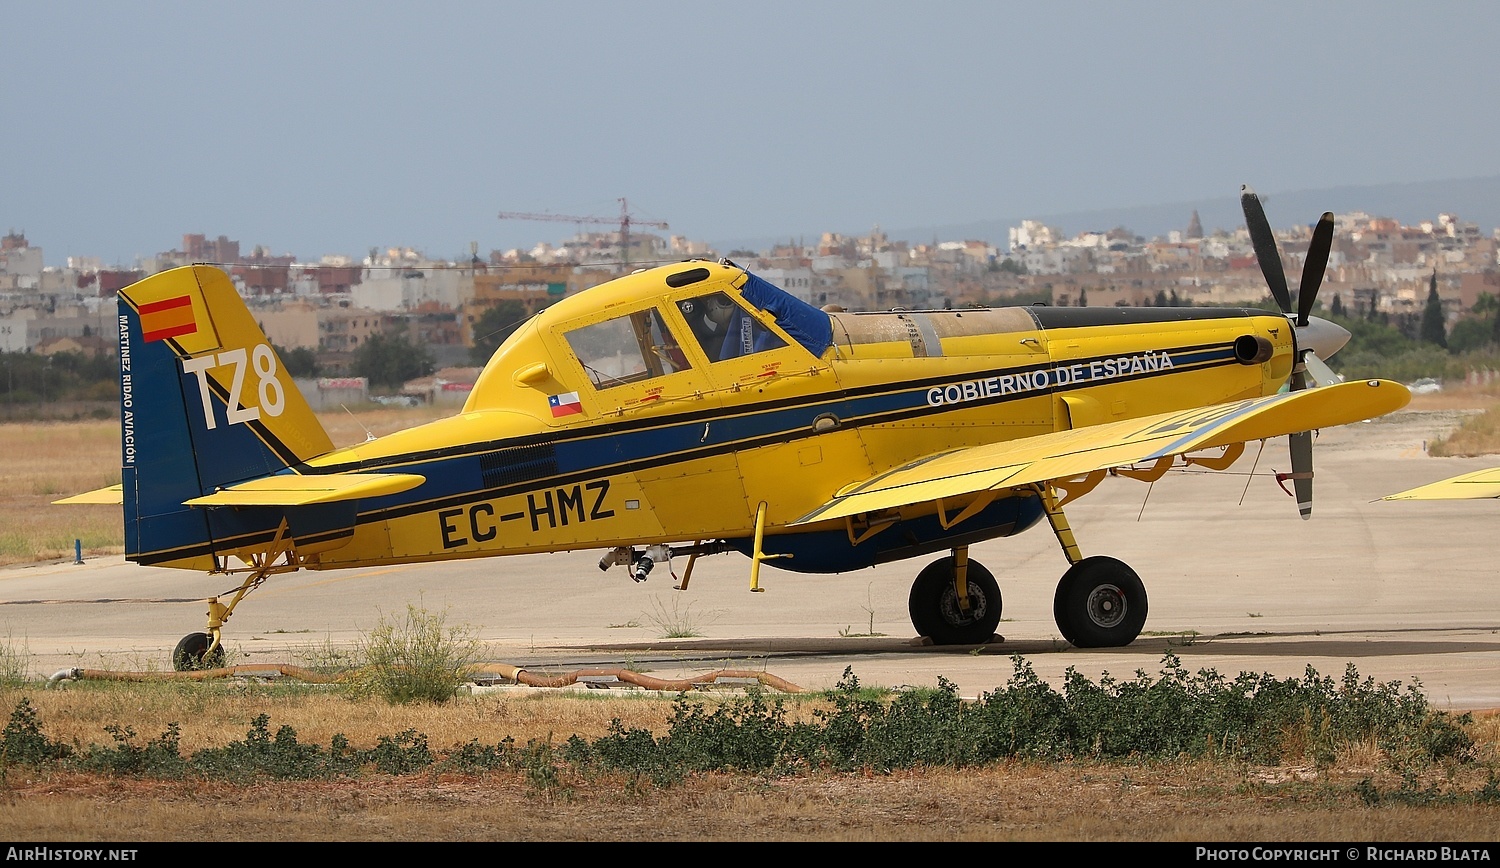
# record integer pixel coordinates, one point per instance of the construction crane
(624, 221)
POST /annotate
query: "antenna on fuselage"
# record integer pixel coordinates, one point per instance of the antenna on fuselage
(369, 435)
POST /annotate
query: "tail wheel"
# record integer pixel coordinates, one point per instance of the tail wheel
(192, 654)
(1100, 603)
(934, 605)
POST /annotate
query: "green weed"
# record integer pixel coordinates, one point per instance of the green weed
(416, 657)
(158, 758)
(22, 742)
(15, 662)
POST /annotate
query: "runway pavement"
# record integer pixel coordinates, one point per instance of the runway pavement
(1400, 591)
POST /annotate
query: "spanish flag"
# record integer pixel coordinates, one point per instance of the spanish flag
(168, 318)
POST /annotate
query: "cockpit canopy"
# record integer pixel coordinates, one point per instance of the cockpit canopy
(649, 325)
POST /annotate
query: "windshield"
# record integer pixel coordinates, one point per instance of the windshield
(626, 349)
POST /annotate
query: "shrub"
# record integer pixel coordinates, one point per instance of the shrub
(22, 741)
(159, 758)
(401, 755)
(261, 754)
(473, 757)
(416, 658)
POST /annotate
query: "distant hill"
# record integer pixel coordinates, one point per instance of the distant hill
(1474, 200)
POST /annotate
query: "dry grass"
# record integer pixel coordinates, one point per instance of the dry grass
(48, 460)
(1479, 434)
(1458, 398)
(1022, 801)
(348, 427)
(1017, 802)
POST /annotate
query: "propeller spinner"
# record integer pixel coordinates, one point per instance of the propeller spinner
(1313, 338)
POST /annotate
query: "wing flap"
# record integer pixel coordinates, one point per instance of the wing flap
(286, 489)
(1479, 485)
(1063, 454)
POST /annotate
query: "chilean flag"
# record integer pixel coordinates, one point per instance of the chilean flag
(565, 404)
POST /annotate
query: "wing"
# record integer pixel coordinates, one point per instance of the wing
(1478, 485)
(1065, 454)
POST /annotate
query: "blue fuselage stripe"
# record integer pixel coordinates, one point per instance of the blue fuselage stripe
(587, 454)
(610, 449)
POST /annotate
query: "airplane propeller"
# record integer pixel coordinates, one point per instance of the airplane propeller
(1312, 337)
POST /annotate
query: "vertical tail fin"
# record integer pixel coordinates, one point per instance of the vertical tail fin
(204, 402)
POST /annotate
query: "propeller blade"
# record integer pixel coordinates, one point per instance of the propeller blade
(1266, 252)
(1302, 472)
(1305, 327)
(1321, 374)
(1315, 339)
(1315, 266)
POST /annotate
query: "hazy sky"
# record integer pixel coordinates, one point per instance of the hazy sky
(335, 127)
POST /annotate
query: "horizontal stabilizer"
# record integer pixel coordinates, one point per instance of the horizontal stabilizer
(1479, 485)
(112, 494)
(1064, 454)
(286, 489)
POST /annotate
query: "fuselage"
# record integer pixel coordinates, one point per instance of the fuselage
(669, 405)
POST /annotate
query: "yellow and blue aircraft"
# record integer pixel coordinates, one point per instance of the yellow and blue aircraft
(695, 408)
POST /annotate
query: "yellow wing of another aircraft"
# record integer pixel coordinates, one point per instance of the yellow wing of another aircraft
(1071, 453)
(1479, 485)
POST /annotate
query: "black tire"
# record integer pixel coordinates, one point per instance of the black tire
(933, 605)
(189, 654)
(1100, 603)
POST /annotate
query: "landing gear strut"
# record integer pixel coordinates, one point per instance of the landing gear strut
(940, 614)
(1100, 602)
(206, 650)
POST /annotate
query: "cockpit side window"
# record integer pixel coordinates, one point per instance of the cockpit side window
(724, 329)
(626, 349)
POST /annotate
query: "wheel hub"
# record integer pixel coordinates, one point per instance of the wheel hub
(1106, 605)
(955, 616)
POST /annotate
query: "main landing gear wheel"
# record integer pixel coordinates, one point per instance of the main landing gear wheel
(934, 605)
(1100, 603)
(192, 654)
